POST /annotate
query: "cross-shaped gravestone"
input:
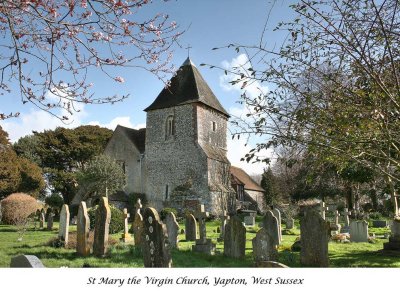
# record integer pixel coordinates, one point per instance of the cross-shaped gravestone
(323, 209)
(224, 219)
(201, 216)
(346, 214)
(203, 244)
(125, 237)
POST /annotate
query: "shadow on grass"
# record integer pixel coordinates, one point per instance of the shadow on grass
(365, 259)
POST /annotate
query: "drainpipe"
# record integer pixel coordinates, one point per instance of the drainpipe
(141, 172)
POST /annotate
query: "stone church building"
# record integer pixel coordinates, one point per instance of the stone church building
(180, 159)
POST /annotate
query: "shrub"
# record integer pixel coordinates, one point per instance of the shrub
(18, 209)
(165, 211)
(117, 219)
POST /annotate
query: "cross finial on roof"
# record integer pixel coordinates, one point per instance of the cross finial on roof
(188, 50)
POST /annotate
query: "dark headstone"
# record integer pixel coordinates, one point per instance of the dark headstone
(101, 228)
(235, 238)
(394, 239)
(155, 246)
(26, 261)
(379, 223)
(50, 220)
(314, 232)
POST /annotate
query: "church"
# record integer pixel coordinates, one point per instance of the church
(180, 159)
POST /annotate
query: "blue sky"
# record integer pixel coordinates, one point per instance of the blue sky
(208, 24)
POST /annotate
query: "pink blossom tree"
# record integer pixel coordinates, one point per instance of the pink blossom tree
(50, 48)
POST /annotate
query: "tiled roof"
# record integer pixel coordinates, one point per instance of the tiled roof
(187, 86)
(249, 183)
(137, 137)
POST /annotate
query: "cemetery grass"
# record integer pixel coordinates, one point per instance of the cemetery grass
(127, 255)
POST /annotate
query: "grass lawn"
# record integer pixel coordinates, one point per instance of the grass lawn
(127, 255)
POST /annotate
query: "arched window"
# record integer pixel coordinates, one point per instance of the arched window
(170, 127)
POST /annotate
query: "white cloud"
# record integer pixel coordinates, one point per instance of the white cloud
(238, 148)
(240, 65)
(122, 121)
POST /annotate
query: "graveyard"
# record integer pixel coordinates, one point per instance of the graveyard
(125, 253)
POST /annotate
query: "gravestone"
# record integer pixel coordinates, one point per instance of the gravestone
(289, 223)
(50, 220)
(379, 223)
(346, 227)
(74, 220)
(204, 244)
(359, 231)
(26, 261)
(64, 224)
(250, 217)
(190, 228)
(394, 239)
(155, 246)
(172, 229)
(277, 214)
(323, 210)
(264, 248)
(101, 228)
(335, 226)
(42, 218)
(235, 238)
(126, 237)
(270, 223)
(137, 225)
(314, 232)
(83, 226)
(224, 218)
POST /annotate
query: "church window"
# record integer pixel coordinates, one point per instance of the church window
(214, 126)
(122, 164)
(166, 193)
(170, 127)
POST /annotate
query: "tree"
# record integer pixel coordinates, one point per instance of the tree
(102, 176)
(62, 152)
(50, 48)
(268, 183)
(334, 85)
(17, 174)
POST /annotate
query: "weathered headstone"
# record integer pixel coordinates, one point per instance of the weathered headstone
(235, 238)
(190, 228)
(335, 226)
(270, 223)
(101, 228)
(314, 232)
(359, 231)
(83, 225)
(126, 237)
(137, 225)
(250, 218)
(394, 239)
(172, 229)
(264, 248)
(26, 261)
(379, 223)
(224, 218)
(50, 220)
(204, 244)
(323, 209)
(289, 223)
(42, 218)
(64, 224)
(155, 246)
(277, 214)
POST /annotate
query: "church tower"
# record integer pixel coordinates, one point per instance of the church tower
(186, 160)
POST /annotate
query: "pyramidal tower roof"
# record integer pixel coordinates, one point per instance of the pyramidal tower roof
(187, 86)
